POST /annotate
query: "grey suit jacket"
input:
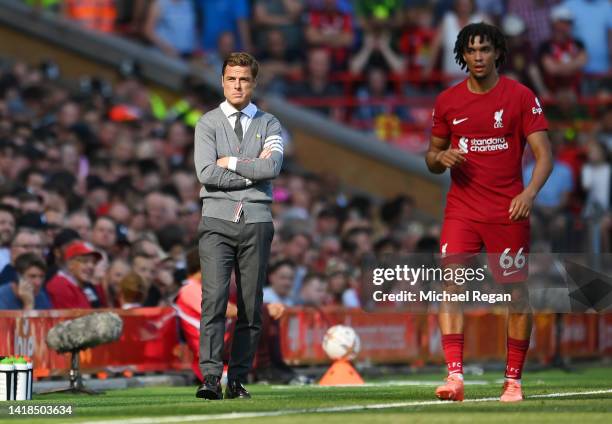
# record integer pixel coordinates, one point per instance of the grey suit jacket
(226, 194)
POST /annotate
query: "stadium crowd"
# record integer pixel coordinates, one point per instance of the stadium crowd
(375, 64)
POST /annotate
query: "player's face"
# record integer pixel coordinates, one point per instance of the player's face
(480, 56)
(238, 85)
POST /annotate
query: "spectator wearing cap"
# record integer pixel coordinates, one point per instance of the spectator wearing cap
(71, 287)
(55, 257)
(26, 240)
(7, 232)
(562, 57)
(26, 292)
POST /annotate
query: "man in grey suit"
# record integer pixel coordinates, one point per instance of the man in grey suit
(238, 152)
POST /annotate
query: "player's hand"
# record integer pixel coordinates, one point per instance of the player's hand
(276, 310)
(520, 207)
(223, 162)
(265, 154)
(451, 157)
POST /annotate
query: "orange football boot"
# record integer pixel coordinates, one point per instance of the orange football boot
(452, 389)
(512, 391)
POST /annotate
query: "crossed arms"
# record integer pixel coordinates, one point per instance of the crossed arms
(234, 173)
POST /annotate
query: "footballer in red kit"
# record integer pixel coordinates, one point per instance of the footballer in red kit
(480, 128)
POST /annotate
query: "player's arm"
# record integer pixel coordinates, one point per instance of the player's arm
(540, 146)
(439, 156)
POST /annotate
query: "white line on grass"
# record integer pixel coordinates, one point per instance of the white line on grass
(347, 408)
(386, 384)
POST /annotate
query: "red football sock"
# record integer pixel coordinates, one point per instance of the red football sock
(517, 351)
(452, 344)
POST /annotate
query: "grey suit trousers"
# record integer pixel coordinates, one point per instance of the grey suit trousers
(225, 246)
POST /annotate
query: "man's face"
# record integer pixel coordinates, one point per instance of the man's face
(7, 228)
(81, 224)
(27, 243)
(104, 234)
(35, 182)
(35, 276)
(238, 85)
(297, 247)
(315, 292)
(319, 64)
(82, 268)
(480, 57)
(281, 280)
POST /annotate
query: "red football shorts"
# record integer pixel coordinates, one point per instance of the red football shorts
(506, 245)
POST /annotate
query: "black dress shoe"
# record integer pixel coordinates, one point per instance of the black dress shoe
(235, 389)
(210, 388)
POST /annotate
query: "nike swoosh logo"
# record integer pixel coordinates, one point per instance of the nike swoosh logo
(458, 121)
(506, 273)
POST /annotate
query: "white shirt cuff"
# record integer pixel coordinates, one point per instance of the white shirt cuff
(248, 182)
(231, 165)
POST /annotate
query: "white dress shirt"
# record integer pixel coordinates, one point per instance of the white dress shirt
(248, 113)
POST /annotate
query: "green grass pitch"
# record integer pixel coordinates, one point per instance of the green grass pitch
(291, 404)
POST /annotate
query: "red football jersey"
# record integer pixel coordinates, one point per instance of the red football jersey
(491, 129)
